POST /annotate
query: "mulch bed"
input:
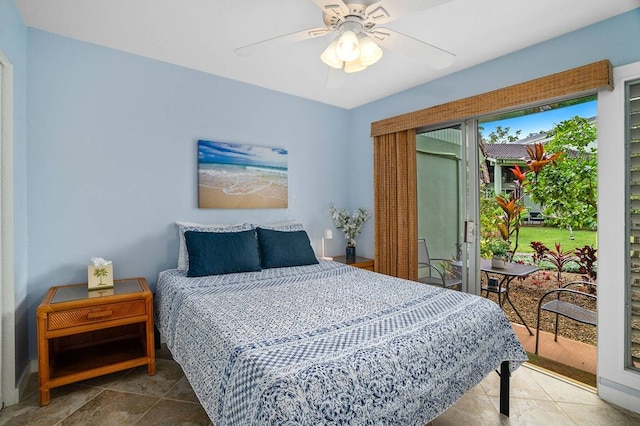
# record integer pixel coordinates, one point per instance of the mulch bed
(525, 295)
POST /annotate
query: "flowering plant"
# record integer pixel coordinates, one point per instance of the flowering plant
(350, 225)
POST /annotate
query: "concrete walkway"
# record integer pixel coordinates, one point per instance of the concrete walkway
(569, 352)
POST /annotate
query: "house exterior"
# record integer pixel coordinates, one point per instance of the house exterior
(500, 158)
(102, 164)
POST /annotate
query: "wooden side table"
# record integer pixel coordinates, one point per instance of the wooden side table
(358, 262)
(83, 334)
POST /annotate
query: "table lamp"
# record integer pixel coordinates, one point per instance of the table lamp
(326, 235)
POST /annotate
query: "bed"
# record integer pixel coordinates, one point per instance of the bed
(327, 343)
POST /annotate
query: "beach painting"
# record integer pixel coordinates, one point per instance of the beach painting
(235, 176)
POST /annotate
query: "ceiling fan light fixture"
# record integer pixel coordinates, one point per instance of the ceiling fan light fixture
(370, 52)
(329, 56)
(348, 47)
(354, 66)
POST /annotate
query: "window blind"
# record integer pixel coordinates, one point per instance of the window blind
(633, 223)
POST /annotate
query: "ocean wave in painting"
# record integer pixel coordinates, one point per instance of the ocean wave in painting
(243, 180)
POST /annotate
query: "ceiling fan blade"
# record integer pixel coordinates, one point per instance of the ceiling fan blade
(383, 11)
(414, 48)
(332, 7)
(280, 41)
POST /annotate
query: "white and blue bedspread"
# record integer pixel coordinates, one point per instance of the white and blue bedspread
(328, 344)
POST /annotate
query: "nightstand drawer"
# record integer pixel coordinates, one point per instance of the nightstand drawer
(74, 317)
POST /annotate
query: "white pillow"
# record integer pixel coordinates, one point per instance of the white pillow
(183, 254)
(288, 226)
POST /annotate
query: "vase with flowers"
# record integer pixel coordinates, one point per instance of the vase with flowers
(350, 225)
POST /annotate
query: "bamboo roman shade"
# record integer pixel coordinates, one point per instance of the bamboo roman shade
(633, 179)
(586, 79)
(394, 154)
(396, 229)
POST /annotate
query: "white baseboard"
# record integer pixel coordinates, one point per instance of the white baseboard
(619, 395)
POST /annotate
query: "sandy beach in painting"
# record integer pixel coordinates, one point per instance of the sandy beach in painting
(213, 198)
(240, 187)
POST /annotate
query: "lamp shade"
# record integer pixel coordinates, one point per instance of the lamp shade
(327, 234)
(353, 66)
(348, 47)
(329, 56)
(370, 52)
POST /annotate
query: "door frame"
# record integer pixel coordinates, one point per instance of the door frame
(8, 390)
(469, 201)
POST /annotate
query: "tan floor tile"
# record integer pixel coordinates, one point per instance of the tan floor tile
(522, 385)
(182, 391)
(64, 401)
(563, 391)
(477, 390)
(471, 409)
(104, 381)
(111, 408)
(138, 381)
(175, 413)
(533, 412)
(163, 352)
(599, 415)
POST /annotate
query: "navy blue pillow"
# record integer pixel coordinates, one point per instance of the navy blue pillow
(285, 248)
(213, 253)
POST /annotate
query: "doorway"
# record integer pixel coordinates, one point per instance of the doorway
(461, 168)
(557, 225)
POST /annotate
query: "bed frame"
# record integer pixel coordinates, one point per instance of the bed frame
(505, 376)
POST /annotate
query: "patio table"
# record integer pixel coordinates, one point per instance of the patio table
(508, 273)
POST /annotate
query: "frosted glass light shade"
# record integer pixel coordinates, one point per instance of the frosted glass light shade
(348, 47)
(327, 234)
(353, 66)
(329, 56)
(370, 52)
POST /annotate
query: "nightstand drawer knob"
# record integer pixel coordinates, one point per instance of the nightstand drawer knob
(102, 314)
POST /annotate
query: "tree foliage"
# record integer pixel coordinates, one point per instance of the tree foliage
(568, 191)
(502, 135)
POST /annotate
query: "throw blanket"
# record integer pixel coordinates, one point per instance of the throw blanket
(328, 344)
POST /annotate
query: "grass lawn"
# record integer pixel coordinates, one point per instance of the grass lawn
(549, 236)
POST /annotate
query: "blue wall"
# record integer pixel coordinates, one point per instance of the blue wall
(113, 158)
(13, 42)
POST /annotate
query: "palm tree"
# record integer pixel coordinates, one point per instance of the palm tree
(99, 273)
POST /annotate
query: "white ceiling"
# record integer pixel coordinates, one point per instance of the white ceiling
(202, 35)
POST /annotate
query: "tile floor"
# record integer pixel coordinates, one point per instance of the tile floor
(134, 398)
(126, 398)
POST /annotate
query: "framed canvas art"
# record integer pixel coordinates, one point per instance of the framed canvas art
(235, 176)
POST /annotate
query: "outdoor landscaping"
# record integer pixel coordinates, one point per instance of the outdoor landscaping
(526, 293)
(561, 178)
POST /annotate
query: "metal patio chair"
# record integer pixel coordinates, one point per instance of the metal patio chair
(439, 272)
(575, 309)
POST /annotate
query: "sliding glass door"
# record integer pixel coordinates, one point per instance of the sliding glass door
(446, 206)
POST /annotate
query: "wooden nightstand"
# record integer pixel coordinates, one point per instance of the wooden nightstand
(358, 262)
(84, 334)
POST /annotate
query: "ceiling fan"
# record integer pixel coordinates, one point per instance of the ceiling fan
(359, 37)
